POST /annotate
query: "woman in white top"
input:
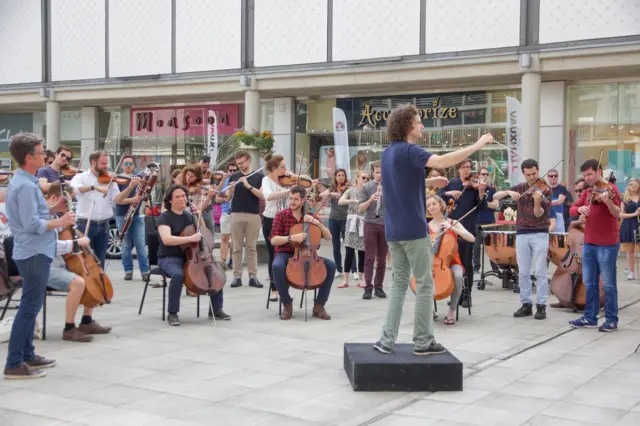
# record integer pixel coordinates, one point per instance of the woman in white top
(275, 197)
(354, 238)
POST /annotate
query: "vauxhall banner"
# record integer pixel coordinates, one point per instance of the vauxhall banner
(341, 141)
(514, 137)
(212, 140)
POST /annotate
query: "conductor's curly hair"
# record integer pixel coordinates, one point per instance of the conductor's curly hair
(401, 121)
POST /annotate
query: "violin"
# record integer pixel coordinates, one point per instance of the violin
(306, 270)
(290, 179)
(108, 177)
(472, 181)
(599, 188)
(98, 289)
(202, 274)
(216, 175)
(69, 172)
(445, 248)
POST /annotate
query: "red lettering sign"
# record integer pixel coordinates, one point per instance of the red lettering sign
(183, 121)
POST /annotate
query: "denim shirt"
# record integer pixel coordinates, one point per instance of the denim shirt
(28, 214)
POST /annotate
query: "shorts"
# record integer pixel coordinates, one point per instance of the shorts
(225, 224)
(60, 279)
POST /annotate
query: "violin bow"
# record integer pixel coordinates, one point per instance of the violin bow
(454, 223)
(542, 177)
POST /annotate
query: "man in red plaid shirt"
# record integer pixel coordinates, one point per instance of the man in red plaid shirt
(281, 240)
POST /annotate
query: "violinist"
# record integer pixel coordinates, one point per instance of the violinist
(88, 190)
(171, 258)
(136, 233)
(600, 204)
(61, 279)
(533, 199)
(50, 156)
(281, 239)
(51, 173)
(225, 218)
(207, 179)
(337, 215)
(275, 196)
(468, 192)
(436, 208)
(485, 216)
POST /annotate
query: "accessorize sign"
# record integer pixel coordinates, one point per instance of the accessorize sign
(184, 121)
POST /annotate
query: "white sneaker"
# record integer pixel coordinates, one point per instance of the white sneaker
(631, 277)
(339, 274)
(354, 276)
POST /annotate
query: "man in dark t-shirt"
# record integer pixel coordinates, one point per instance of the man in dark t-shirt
(403, 184)
(48, 174)
(171, 258)
(560, 196)
(532, 240)
(246, 222)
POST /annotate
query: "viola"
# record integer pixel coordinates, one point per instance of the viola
(98, 289)
(306, 269)
(445, 248)
(294, 180)
(202, 274)
(108, 177)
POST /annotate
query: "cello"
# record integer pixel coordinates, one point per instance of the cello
(202, 273)
(445, 248)
(83, 262)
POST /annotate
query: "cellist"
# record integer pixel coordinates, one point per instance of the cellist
(281, 240)
(171, 258)
(436, 207)
(61, 279)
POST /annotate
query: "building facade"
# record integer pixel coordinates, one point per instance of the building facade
(105, 73)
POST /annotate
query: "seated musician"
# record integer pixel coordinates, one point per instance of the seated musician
(436, 207)
(171, 258)
(61, 279)
(281, 240)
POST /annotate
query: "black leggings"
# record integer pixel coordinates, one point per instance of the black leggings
(267, 224)
(348, 259)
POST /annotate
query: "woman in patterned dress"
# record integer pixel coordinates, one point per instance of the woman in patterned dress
(629, 226)
(354, 238)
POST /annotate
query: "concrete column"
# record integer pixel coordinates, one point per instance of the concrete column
(252, 111)
(53, 125)
(531, 110)
(89, 142)
(552, 129)
(283, 129)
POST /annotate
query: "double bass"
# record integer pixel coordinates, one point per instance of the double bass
(202, 273)
(445, 248)
(98, 289)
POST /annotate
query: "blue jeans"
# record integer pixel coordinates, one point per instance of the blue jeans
(35, 274)
(174, 268)
(598, 260)
(99, 236)
(279, 269)
(135, 237)
(337, 228)
(559, 223)
(533, 248)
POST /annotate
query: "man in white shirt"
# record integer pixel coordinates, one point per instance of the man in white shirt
(88, 191)
(61, 279)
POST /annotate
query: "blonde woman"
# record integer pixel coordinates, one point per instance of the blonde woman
(354, 237)
(629, 226)
(435, 180)
(436, 208)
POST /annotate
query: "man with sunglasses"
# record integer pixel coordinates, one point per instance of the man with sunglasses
(51, 173)
(560, 196)
(136, 233)
(225, 218)
(485, 216)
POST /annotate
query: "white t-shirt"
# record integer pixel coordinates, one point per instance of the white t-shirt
(272, 206)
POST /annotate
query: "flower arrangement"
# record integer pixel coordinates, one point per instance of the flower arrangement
(263, 142)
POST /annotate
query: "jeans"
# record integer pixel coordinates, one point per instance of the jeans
(135, 237)
(559, 223)
(406, 256)
(209, 222)
(375, 250)
(598, 260)
(35, 274)
(477, 257)
(267, 224)
(337, 227)
(174, 268)
(99, 236)
(280, 276)
(533, 248)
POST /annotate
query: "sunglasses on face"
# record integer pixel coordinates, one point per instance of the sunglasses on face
(66, 157)
(552, 176)
(484, 174)
(128, 163)
(579, 191)
(233, 170)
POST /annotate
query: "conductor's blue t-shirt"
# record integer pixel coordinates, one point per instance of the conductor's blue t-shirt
(403, 175)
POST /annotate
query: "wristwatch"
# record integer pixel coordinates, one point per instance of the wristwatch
(92, 188)
(289, 239)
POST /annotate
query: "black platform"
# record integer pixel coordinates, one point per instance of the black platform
(369, 370)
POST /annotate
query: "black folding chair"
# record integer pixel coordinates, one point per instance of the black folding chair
(10, 273)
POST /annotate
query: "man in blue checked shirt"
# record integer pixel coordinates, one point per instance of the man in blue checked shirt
(34, 249)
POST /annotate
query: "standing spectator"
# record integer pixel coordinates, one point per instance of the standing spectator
(485, 216)
(560, 195)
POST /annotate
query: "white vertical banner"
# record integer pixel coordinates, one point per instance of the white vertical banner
(341, 140)
(514, 138)
(212, 140)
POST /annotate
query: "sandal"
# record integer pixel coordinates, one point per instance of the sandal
(343, 285)
(449, 321)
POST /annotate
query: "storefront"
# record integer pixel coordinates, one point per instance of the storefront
(451, 120)
(604, 117)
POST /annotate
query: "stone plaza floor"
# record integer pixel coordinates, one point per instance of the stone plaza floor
(258, 370)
